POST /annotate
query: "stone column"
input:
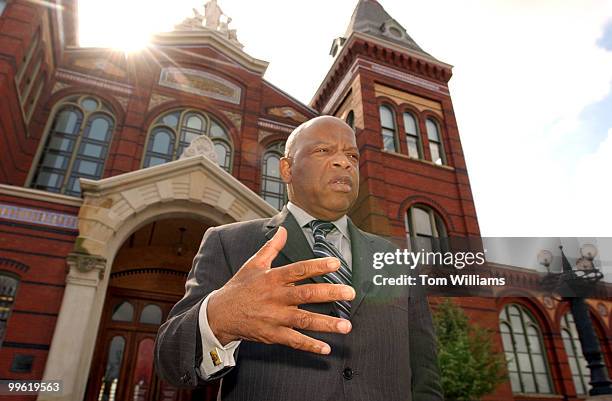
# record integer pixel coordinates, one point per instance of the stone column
(66, 354)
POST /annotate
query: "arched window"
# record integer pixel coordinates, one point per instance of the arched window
(114, 360)
(425, 229)
(151, 314)
(413, 140)
(581, 374)
(124, 312)
(172, 133)
(388, 129)
(8, 289)
(76, 145)
(435, 142)
(272, 186)
(524, 350)
(350, 119)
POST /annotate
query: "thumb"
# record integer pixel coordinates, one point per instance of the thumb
(267, 253)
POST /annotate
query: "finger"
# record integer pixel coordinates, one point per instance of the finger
(318, 293)
(266, 254)
(305, 269)
(297, 340)
(305, 320)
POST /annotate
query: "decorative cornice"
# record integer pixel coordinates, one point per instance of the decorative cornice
(81, 78)
(205, 38)
(265, 123)
(409, 60)
(360, 65)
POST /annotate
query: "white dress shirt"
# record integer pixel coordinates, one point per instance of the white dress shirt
(216, 356)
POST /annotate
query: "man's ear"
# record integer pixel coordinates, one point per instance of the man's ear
(285, 169)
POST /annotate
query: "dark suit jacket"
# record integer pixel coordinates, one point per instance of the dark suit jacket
(389, 355)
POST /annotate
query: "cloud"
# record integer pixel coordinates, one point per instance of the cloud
(605, 41)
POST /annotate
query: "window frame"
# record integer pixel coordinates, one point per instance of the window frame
(10, 302)
(350, 119)
(396, 145)
(439, 142)
(577, 354)
(417, 135)
(276, 148)
(437, 224)
(177, 131)
(531, 322)
(74, 103)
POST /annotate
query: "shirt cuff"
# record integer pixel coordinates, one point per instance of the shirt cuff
(216, 357)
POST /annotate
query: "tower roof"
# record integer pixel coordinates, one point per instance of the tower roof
(371, 18)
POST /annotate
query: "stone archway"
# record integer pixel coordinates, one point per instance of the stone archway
(113, 208)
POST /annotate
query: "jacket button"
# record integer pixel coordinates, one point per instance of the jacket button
(347, 373)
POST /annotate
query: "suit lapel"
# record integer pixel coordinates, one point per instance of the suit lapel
(297, 247)
(362, 253)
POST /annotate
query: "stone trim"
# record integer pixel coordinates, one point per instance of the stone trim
(38, 216)
(36, 194)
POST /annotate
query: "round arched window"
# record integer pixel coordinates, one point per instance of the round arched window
(174, 131)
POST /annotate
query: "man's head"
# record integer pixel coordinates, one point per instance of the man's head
(321, 167)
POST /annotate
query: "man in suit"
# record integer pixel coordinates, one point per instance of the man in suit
(284, 309)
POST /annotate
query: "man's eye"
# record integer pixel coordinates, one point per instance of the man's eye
(322, 150)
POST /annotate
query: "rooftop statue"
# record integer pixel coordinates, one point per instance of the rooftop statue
(213, 13)
(212, 20)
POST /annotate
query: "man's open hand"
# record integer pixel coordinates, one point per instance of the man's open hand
(261, 304)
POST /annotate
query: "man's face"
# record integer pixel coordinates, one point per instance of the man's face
(323, 170)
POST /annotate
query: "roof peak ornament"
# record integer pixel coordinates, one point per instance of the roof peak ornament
(213, 19)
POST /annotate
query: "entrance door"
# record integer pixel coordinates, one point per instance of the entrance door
(123, 366)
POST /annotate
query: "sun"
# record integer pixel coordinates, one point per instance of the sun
(127, 25)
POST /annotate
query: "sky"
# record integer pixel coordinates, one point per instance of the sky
(531, 89)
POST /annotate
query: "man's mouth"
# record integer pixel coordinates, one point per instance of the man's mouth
(341, 183)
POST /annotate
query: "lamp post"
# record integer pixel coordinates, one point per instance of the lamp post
(575, 285)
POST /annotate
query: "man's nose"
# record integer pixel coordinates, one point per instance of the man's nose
(342, 161)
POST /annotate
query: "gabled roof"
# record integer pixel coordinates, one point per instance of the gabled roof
(371, 18)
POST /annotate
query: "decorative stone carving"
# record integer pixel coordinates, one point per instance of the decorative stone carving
(210, 20)
(157, 99)
(601, 308)
(123, 101)
(59, 86)
(97, 65)
(85, 263)
(200, 83)
(287, 112)
(548, 302)
(201, 146)
(262, 135)
(235, 118)
(212, 13)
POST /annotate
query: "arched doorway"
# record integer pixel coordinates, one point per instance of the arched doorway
(147, 278)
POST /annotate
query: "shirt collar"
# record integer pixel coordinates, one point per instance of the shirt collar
(303, 218)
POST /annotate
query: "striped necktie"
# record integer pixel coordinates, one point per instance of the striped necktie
(323, 249)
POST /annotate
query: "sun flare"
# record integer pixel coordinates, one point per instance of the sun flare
(128, 25)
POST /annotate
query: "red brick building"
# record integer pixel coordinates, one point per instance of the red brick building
(100, 217)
